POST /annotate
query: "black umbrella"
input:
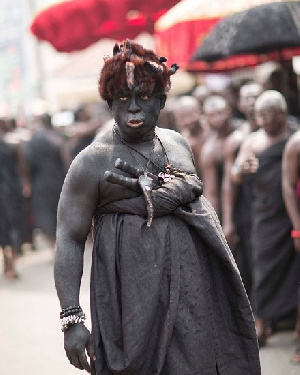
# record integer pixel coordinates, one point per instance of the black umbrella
(265, 28)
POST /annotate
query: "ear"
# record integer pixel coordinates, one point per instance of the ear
(109, 102)
(163, 99)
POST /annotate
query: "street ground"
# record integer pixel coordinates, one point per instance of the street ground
(31, 341)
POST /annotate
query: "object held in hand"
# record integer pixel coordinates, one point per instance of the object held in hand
(169, 174)
(146, 184)
(246, 165)
(166, 177)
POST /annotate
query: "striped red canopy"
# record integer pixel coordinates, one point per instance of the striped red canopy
(74, 25)
(181, 30)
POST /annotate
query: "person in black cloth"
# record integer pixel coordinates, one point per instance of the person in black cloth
(276, 266)
(11, 202)
(166, 295)
(45, 166)
(291, 195)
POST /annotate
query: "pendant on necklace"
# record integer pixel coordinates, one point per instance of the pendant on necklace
(168, 174)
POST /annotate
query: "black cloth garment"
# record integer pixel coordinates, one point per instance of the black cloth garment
(43, 155)
(168, 299)
(242, 217)
(276, 265)
(11, 199)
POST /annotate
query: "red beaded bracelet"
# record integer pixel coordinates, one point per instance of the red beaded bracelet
(295, 233)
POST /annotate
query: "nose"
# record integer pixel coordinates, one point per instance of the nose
(133, 107)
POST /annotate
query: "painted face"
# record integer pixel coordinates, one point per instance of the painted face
(136, 113)
(270, 118)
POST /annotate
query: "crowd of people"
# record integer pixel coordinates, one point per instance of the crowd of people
(247, 154)
(34, 160)
(249, 166)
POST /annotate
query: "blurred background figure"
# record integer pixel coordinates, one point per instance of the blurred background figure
(186, 111)
(276, 268)
(237, 199)
(11, 201)
(87, 124)
(218, 116)
(201, 92)
(282, 78)
(45, 164)
(166, 118)
(231, 94)
(83, 135)
(291, 195)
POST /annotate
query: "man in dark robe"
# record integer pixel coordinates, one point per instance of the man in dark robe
(166, 295)
(45, 166)
(291, 195)
(276, 266)
(11, 202)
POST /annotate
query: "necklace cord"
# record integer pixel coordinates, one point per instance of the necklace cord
(130, 148)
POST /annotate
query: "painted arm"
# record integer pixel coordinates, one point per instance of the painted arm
(229, 192)
(210, 179)
(77, 204)
(290, 167)
(245, 163)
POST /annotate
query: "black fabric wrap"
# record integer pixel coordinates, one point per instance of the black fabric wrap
(276, 264)
(168, 299)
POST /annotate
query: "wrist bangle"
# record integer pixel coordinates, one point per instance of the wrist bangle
(238, 168)
(295, 233)
(70, 311)
(71, 315)
(68, 321)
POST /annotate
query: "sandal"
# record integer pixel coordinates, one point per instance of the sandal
(295, 360)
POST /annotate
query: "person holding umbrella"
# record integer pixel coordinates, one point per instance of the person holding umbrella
(166, 295)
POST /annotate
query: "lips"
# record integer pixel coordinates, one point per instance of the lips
(134, 123)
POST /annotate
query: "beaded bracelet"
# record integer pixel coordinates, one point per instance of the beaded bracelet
(70, 311)
(295, 233)
(69, 320)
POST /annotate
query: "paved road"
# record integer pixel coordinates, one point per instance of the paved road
(31, 342)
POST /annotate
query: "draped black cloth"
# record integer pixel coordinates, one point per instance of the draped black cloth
(276, 265)
(168, 299)
(242, 216)
(11, 199)
(43, 155)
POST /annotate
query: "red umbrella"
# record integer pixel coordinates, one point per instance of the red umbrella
(73, 25)
(180, 31)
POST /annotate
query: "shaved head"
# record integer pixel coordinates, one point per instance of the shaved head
(271, 98)
(250, 89)
(214, 103)
(185, 101)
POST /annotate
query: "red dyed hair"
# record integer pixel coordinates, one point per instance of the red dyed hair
(130, 64)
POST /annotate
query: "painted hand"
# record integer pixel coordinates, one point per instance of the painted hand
(132, 182)
(249, 165)
(78, 342)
